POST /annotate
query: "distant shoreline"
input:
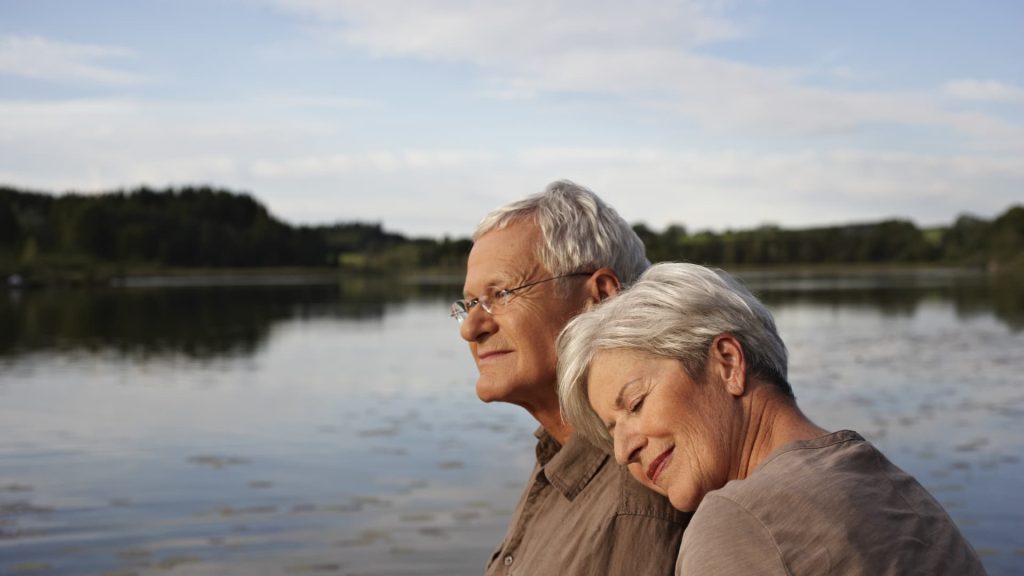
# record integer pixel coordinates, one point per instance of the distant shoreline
(146, 277)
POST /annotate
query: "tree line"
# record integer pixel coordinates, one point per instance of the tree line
(204, 227)
(194, 227)
(973, 241)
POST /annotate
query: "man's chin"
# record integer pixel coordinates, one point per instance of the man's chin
(488, 392)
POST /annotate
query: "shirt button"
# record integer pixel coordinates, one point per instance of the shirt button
(508, 560)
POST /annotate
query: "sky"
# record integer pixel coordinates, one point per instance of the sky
(425, 115)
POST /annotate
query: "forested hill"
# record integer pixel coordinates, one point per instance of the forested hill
(970, 241)
(202, 227)
(194, 227)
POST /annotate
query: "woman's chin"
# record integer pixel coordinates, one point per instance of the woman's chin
(638, 474)
(684, 501)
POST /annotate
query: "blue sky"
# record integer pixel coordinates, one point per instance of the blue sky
(424, 115)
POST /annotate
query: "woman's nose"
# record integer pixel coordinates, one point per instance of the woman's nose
(628, 445)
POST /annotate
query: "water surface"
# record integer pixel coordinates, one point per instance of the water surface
(331, 428)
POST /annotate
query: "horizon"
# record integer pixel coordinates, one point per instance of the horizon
(690, 230)
(424, 117)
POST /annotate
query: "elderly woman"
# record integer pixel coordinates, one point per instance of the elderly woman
(683, 377)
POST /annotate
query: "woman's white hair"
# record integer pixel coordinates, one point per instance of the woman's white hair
(581, 233)
(674, 310)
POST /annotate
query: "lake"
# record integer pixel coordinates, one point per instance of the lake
(295, 425)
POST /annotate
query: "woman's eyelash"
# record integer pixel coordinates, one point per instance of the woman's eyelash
(637, 404)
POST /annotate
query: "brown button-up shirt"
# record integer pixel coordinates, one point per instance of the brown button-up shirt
(582, 514)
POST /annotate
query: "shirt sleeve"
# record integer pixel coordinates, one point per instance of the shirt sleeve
(640, 545)
(724, 538)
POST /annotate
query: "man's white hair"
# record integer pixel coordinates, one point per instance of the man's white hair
(581, 233)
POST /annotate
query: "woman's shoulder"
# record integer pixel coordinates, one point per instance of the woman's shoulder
(804, 468)
(835, 502)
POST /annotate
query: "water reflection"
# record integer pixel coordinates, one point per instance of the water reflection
(168, 317)
(896, 293)
(197, 320)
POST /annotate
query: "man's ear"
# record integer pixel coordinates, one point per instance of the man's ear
(601, 285)
(727, 362)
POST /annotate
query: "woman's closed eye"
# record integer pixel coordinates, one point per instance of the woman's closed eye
(637, 404)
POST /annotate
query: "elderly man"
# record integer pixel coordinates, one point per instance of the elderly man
(535, 264)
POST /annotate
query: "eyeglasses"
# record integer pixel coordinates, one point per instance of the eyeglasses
(492, 304)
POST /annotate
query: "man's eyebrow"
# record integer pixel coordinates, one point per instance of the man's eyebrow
(500, 281)
(489, 287)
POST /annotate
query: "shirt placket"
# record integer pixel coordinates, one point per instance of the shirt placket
(533, 503)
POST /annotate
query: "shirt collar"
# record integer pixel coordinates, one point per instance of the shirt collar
(571, 467)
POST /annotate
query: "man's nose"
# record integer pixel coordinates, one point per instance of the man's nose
(477, 324)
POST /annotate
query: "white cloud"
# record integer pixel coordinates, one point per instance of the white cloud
(488, 33)
(380, 161)
(651, 51)
(305, 174)
(810, 187)
(44, 59)
(984, 90)
(125, 142)
(307, 102)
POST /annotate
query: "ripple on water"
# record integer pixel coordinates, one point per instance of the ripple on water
(417, 517)
(15, 487)
(30, 568)
(434, 532)
(465, 516)
(172, 562)
(357, 504)
(378, 432)
(366, 538)
(973, 445)
(135, 554)
(22, 507)
(230, 512)
(373, 501)
(216, 461)
(310, 568)
(861, 400)
(342, 508)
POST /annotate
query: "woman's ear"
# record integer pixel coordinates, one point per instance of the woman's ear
(726, 360)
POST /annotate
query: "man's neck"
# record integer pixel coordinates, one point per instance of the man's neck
(548, 413)
(555, 426)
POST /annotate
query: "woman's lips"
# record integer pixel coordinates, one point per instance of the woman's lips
(659, 464)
